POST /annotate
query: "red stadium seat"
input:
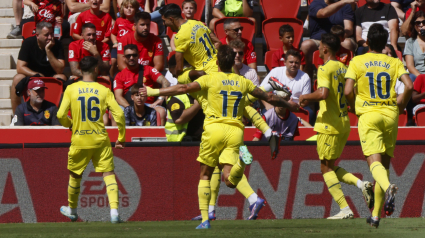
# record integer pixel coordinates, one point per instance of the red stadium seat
(158, 119)
(268, 59)
(53, 91)
(402, 118)
(420, 117)
(363, 2)
(28, 29)
(399, 54)
(303, 114)
(280, 8)
(271, 31)
(104, 82)
(316, 58)
(200, 5)
(354, 120)
(247, 24)
(154, 28)
(170, 54)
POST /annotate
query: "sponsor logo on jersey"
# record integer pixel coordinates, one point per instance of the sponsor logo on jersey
(122, 32)
(46, 14)
(99, 33)
(102, 23)
(150, 53)
(143, 62)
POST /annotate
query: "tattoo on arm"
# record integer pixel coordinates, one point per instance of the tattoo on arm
(75, 69)
(163, 81)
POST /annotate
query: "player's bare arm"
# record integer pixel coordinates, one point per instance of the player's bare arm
(171, 91)
(195, 74)
(274, 100)
(75, 69)
(408, 89)
(179, 64)
(158, 62)
(215, 40)
(165, 84)
(349, 93)
(319, 95)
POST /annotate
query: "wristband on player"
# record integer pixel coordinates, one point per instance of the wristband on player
(160, 98)
(152, 91)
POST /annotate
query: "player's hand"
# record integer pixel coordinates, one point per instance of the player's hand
(87, 45)
(59, 20)
(302, 101)
(119, 145)
(293, 106)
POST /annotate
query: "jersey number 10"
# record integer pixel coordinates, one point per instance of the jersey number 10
(90, 108)
(382, 76)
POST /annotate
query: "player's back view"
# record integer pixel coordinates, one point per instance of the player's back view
(88, 101)
(375, 75)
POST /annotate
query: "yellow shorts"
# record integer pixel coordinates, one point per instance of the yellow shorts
(220, 141)
(378, 133)
(330, 146)
(102, 158)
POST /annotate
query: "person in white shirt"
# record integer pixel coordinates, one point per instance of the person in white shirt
(291, 76)
(244, 70)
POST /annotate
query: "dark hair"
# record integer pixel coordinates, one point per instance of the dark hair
(228, 21)
(338, 31)
(331, 41)
(377, 37)
(191, 2)
(43, 24)
(142, 16)
(88, 63)
(135, 89)
(393, 53)
(285, 28)
(226, 58)
(412, 29)
(88, 25)
(131, 47)
(171, 10)
(293, 53)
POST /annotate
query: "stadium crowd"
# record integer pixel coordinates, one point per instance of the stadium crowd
(125, 37)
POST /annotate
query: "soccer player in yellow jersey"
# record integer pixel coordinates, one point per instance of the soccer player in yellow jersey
(375, 103)
(223, 127)
(333, 125)
(88, 101)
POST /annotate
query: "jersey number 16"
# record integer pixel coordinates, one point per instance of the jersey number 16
(90, 108)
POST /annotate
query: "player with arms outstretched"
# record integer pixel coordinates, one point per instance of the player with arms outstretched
(223, 127)
(88, 101)
(375, 103)
(333, 126)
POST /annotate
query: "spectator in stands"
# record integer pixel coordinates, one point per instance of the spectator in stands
(249, 73)
(37, 111)
(401, 7)
(414, 46)
(418, 94)
(46, 10)
(343, 55)
(399, 86)
(27, 17)
(144, 6)
(232, 8)
(77, 6)
(40, 54)
(415, 6)
(291, 76)
(375, 11)
(102, 21)
(322, 16)
(123, 25)
(286, 35)
(89, 46)
(233, 29)
(17, 12)
(139, 114)
(189, 8)
(129, 76)
(149, 45)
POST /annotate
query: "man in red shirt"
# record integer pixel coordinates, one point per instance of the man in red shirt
(89, 46)
(148, 45)
(129, 76)
(233, 30)
(102, 21)
(77, 6)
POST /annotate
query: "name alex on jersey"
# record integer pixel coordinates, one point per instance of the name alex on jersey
(88, 90)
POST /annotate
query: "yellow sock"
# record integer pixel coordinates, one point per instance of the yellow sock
(335, 188)
(112, 190)
(256, 119)
(215, 185)
(204, 195)
(73, 191)
(244, 187)
(379, 173)
(236, 173)
(345, 177)
(379, 198)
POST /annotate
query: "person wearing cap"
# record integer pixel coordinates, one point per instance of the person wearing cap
(36, 111)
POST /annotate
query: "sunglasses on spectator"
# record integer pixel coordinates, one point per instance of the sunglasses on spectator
(130, 55)
(418, 23)
(238, 29)
(239, 52)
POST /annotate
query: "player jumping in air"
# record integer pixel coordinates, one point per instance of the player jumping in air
(333, 126)
(223, 127)
(88, 101)
(375, 103)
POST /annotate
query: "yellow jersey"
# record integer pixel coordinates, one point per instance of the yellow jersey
(226, 97)
(88, 102)
(375, 76)
(333, 113)
(193, 40)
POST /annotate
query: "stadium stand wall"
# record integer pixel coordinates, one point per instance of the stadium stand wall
(33, 183)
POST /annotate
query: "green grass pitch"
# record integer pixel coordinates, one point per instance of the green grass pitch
(400, 228)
